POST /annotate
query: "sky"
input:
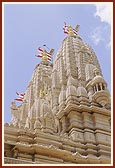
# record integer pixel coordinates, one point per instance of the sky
(29, 26)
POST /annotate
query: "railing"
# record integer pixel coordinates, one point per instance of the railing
(8, 160)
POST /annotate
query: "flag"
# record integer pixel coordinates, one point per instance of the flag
(20, 95)
(40, 49)
(48, 55)
(18, 99)
(67, 31)
(49, 59)
(65, 28)
(39, 56)
(75, 31)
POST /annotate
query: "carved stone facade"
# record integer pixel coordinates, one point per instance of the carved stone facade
(65, 115)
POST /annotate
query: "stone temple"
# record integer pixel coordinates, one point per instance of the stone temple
(65, 115)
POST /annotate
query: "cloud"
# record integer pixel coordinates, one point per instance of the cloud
(104, 12)
(101, 34)
(108, 45)
(96, 35)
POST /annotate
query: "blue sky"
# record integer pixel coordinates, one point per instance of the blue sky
(28, 26)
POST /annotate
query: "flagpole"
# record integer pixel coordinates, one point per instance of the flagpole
(46, 47)
(52, 59)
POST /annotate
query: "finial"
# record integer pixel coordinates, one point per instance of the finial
(45, 55)
(71, 31)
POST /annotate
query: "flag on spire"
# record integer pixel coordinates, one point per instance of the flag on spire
(42, 51)
(65, 27)
(21, 96)
(69, 30)
(18, 99)
(44, 54)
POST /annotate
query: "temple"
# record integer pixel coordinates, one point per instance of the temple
(65, 115)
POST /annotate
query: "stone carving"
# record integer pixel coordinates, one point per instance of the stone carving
(79, 155)
(15, 153)
(89, 70)
(27, 125)
(15, 114)
(53, 147)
